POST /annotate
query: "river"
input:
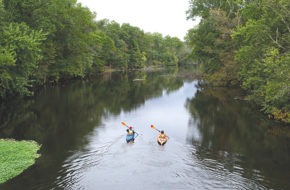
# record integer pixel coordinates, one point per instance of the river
(217, 140)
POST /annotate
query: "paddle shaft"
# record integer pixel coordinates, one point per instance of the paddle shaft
(157, 130)
(123, 123)
(153, 127)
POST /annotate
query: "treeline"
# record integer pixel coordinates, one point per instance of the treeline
(247, 43)
(45, 41)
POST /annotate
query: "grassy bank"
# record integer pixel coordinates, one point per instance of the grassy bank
(15, 157)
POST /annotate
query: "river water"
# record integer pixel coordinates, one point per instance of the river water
(217, 140)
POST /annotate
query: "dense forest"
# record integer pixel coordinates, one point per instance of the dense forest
(245, 43)
(48, 41)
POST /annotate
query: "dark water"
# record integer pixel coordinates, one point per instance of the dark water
(217, 141)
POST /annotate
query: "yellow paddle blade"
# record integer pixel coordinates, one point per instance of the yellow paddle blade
(123, 123)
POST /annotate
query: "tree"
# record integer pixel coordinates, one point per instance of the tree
(213, 48)
(264, 55)
(245, 42)
(21, 52)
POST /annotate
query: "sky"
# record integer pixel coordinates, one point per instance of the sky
(167, 17)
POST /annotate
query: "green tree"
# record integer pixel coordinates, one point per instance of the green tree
(247, 43)
(20, 53)
(133, 36)
(66, 52)
(120, 57)
(50, 41)
(264, 55)
(213, 47)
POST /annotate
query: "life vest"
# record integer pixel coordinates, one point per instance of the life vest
(162, 136)
(130, 132)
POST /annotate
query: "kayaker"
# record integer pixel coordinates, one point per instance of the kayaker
(162, 138)
(130, 134)
(130, 131)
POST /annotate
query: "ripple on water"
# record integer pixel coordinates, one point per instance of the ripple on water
(146, 165)
(72, 169)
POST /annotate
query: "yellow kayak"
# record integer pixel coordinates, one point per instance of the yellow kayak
(161, 141)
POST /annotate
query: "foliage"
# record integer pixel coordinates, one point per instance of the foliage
(15, 157)
(247, 43)
(48, 41)
(264, 56)
(19, 57)
(214, 49)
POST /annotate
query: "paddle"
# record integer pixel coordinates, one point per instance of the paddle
(123, 123)
(153, 127)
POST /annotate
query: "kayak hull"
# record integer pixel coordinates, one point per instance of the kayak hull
(130, 138)
(161, 141)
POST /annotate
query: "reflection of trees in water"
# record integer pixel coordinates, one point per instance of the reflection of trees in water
(234, 133)
(61, 117)
(75, 109)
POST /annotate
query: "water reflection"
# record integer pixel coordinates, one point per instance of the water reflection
(228, 131)
(81, 103)
(61, 118)
(216, 141)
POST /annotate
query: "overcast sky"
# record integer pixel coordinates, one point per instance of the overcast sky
(167, 17)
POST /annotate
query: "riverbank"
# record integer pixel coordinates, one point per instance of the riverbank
(15, 157)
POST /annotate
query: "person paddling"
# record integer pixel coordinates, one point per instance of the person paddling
(130, 135)
(162, 138)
